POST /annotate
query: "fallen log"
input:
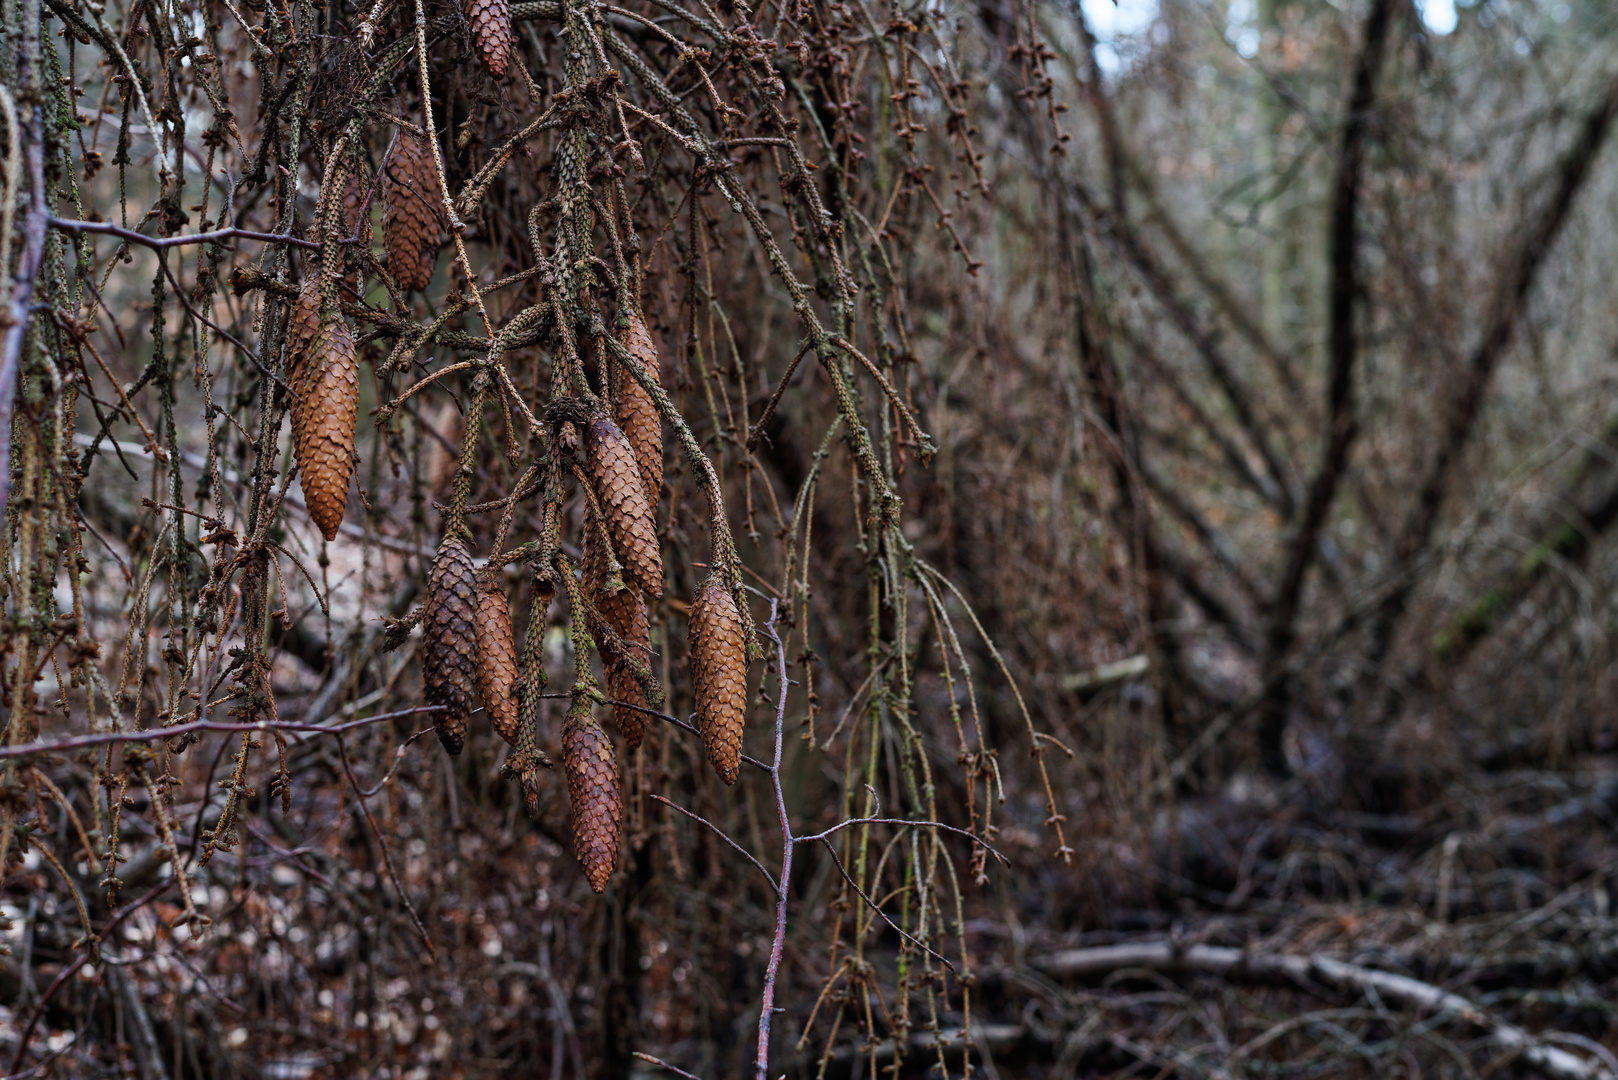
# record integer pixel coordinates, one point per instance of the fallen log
(1238, 964)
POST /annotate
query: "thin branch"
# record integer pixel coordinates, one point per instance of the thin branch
(65, 746)
(907, 821)
(161, 242)
(661, 1064)
(717, 831)
(387, 858)
(872, 904)
(778, 943)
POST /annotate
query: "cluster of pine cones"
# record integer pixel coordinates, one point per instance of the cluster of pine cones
(470, 651)
(471, 655)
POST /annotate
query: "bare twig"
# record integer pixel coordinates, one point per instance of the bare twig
(717, 831)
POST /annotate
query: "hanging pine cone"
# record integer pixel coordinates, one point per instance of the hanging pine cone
(496, 658)
(447, 662)
(637, 415)
(411, 220)
(616, 606)
(626, 613)
(353, 199)
(622, 687)
(301, 330)
(622, 494)
(304, 325)
(325, 409)
(491, 30)
(593, 790)
(718, 647)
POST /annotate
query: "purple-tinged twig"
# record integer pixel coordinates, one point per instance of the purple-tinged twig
(64, 746)
(779, 942)
(788, 844)
(974, 837)
(161, 242)
(661, 1064)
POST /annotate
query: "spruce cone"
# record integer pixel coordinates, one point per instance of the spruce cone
(592, 788)
(626, 613)
(353, 199)
(301, 331)
(618, 608)
(411, 222)
(304, 326)
(622, 493)
(447, 663)
(621, 686)
(325, 408)
(491, 30)
(496, 659)
(637, 415)
(718, 648)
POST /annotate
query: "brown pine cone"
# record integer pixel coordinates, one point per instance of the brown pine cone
(622, 494)
(353, 199)
(301, 331)
(593, 790)
(622, 687)
(637, 415)
(491, 30)
(325, 409)
(411, 220)
(626, 613)
(619, 607)
(451, 637)
(304, 325)
(496, 659)
(718, 648)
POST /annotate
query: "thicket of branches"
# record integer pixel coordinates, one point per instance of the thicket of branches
(1163, 483)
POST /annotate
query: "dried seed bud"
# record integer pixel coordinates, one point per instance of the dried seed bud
(496, 659)
(593, 790)
(567, 438)
(491, 30)
(622, 494)
(447, 661)
(718, 647)
(411, 220)
(637, 415)
(325, 409)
